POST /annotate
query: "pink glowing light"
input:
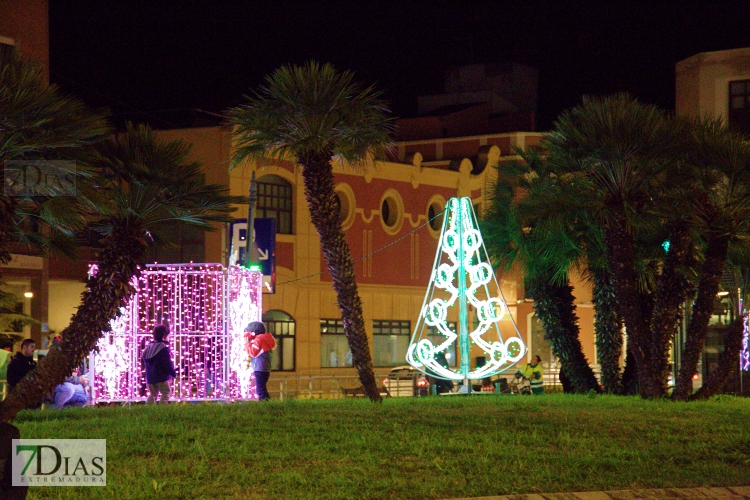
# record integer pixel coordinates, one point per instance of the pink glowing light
(745, 352)
(207, 307)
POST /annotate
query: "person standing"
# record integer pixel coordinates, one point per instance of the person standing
(22, 363)
(533, 372)
(159, 367)
(259, 346)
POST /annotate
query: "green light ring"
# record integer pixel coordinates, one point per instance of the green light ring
(436, 312)
(422, 356)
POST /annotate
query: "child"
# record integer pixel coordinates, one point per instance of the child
(159, 367)
(259, 346)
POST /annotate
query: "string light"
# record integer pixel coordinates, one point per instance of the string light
(207, 308)
(745, 353)
(462, 257)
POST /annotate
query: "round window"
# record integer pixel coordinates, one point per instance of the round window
(345, 204)
(389, 210)
(435, 216)
(338, 208)
(435, 212)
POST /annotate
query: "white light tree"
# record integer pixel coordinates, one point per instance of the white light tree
(461, 277)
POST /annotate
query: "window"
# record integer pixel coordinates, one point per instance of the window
(345, 204)
(390, 342)
(388, 210)
(438, 338)
(178, 242)
(739, 105)
(435, 217)
(281, 326)
(334, 348)
(275, 202)
(391, 211)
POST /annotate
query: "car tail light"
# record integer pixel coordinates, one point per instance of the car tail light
(422, 382)
(385, 380)
(695, 377)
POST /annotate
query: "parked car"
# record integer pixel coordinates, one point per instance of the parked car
(404, 381)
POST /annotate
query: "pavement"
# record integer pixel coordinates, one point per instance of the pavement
(728, 493)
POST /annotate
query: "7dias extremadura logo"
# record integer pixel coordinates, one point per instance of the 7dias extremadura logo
(59, 462)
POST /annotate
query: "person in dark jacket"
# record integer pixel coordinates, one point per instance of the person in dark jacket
(22, 363)
(159, 367)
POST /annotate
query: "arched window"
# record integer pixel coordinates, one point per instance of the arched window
(281, 326)
(275, 202)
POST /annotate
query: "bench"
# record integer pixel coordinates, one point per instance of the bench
(359, 392)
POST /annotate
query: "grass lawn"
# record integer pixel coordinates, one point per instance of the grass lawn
(406, 448)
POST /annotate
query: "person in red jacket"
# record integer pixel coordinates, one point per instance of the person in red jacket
(259, 345)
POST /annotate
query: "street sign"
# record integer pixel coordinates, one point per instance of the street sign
(264, 248)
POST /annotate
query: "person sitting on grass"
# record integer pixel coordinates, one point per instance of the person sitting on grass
(71, 392)
(159, 367)
(533, 372)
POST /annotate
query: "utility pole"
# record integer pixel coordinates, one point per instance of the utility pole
(252, 198)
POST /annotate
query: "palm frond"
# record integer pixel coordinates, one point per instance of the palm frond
(309, 109)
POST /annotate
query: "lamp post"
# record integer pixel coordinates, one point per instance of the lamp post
(252, 198)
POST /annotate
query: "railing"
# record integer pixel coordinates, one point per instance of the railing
(320, 386)
(317, 384)
(312, 386)
(326, 386)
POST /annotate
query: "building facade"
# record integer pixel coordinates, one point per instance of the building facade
(388, 213)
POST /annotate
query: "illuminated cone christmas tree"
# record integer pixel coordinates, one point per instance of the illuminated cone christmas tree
(462, 277)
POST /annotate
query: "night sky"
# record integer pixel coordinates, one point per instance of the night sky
(141, 58)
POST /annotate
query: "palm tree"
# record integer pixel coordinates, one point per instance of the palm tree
(317, 115)
(607, 317)
(721, 165)
(623, 152)
(36, 119)
(143, 182)
(545, 256)
(39, 123)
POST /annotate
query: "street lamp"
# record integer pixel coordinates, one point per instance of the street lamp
(252, 198)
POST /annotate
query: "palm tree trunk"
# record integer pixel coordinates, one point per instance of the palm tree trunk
(556, 309)
(106, 292)
(630, 374)
(608, 329)
(619, 246)
(728, 362)
(668, 302)
(317, 173)
(713, 268)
